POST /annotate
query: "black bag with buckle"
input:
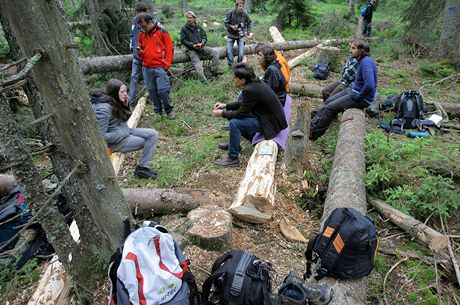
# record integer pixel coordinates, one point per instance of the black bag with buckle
(239, 278)
(346, 246)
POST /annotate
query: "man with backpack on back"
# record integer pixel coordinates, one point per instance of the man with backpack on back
(367, 17)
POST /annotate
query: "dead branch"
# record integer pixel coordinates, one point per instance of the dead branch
(386, 277)
(19, 76)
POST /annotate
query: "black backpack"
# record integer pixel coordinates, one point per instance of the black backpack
(346, 246)
(320, 71)
(409, 111)
(240, 278)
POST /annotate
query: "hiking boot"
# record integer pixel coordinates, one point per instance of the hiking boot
(145, 173)
(227, 162)
(224, 146)
(318, 294)
(291, 294)
(171, 115)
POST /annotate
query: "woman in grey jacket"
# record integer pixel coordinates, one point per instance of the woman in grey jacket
(112, 113)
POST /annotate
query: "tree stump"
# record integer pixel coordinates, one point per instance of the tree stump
(255, 199)
(298, 139)
(211, 228)
(330, 55)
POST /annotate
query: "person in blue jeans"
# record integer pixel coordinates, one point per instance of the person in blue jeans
(259, 110)
(238, 25)
(112, 113)
(360, 95)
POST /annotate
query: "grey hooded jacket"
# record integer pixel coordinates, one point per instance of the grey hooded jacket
(114, 130)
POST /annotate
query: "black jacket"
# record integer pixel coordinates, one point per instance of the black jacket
(190, 35)
(259, 100)
(241, 19)
(275, 79)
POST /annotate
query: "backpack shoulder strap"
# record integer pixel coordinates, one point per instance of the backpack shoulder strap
(309, 256)
(238, 279)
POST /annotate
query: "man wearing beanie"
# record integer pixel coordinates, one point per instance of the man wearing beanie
(194, 38)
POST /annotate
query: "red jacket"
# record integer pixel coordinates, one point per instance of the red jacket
(157, 47)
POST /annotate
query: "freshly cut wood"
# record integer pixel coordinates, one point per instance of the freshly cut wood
(296, 60)
(101, 64)
(428, 236)
(54, 286)
(255, 199)
(310, 90)
(290, 231)
(165, 201)
(346, 189)
(7, 183)
(298, 138)
(118, 158)
(276, 35)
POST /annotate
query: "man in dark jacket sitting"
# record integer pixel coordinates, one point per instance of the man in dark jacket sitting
(259, 110)
(194, 38)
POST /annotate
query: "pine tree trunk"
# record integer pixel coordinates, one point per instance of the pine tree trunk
(449, 46)
(248, 6)
(185, 5)
(58, 78)
(351, 7)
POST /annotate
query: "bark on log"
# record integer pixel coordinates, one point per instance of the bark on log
(255, 199)
(428, 236)
(118, 158)
(296, 60)
(359, 27)
(79, 24)
(276, 35)
(346, 189)
(123, 62)
(298, 139)
(166, 201)
(310, 90)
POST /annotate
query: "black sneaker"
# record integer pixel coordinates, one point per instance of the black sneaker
(318, 294)
(227, 162)
(145, 173)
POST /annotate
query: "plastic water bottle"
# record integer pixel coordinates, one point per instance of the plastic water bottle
(418, 134)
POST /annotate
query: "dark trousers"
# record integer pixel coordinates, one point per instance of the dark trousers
(332, 106)
(366, 28)
(332, 89)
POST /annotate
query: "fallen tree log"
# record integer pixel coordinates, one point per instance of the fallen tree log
(297, 60)
(255, 199)
(118, 158)
(346, 189)
(310, 90)
(276, 35)
(123, 62)
(428, 236)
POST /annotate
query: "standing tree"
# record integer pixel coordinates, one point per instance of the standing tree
(185, 5)
(248, 6)
(351, 7)
(92, 187)
(295, 13)
(450, 35)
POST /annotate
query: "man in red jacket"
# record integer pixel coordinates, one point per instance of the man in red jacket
(155, 48)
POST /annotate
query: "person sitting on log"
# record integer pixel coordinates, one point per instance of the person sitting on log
(259, 110)
(348, 76)
(360, 95)
(285, 70)
(112, 113)
(194, 38)
(272, 76)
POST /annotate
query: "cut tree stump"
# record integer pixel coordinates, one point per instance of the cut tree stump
(298, 139)
(346, 189)
(276, 35)
(255, 199)
(118, 158)
(330, 55)
(211, 228)
(7, 183)
(297, 60)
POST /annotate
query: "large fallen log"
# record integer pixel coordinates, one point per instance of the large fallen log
(118, 158)
(297, 60)
(310, 90)
(276, 35)
(255, 199)
(123, 62)
(346, 189)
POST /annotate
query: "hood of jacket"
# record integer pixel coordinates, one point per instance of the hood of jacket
(98, 97)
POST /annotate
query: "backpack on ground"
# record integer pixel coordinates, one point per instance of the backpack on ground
(150, 269)
(346, 246)
(239, 278)
(409, 111)
(320, 71)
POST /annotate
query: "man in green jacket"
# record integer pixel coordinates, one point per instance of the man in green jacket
(194, 38)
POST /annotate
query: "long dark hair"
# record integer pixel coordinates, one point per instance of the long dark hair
(119, 109)
(268, 53)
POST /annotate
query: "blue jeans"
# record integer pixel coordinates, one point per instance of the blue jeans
(157, 82)
(236, 127)
(230, 43)
(145, 138)
(136, 72)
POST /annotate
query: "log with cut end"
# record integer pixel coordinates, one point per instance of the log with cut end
(294, 155)
(276, 35)
(428, 236)
(297, 60)
(346, 189)
(118, 158)
(255, 199)
(310, 90)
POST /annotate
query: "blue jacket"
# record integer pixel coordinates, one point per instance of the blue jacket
(365, 84)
